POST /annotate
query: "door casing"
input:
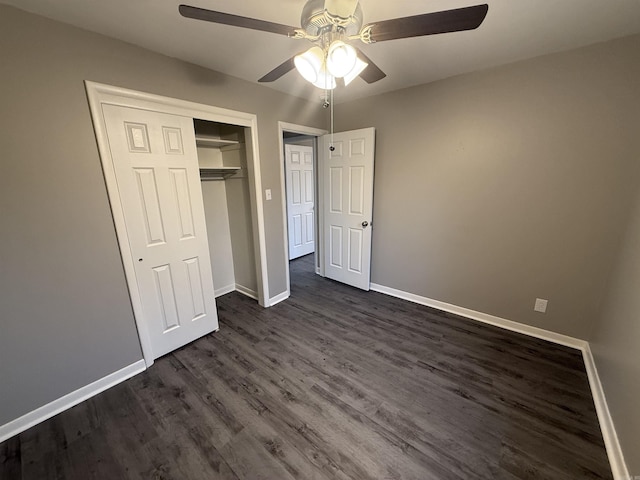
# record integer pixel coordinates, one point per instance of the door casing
(99, 94)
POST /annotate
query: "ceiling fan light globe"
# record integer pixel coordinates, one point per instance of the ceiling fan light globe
(341, 58)
(325, 81)
(355, 71)
(309, 64)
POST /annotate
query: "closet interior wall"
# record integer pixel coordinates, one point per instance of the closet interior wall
(225, 191)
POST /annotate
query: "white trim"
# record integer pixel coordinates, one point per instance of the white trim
(247, 292)
(218, 292)
(99, 94)
(102, 93)
(278, 298)
(313, 132)
(320, 247)
(612, 444)
(69, 400)
(484, 317)
(257, 214)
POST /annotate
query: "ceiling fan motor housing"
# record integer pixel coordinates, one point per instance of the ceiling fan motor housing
(317, 22)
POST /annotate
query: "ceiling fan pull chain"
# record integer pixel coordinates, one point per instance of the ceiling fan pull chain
(332, 148)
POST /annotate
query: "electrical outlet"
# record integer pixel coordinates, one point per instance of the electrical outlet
(540, 305)
(267, 194)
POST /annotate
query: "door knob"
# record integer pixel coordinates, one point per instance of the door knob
(365, 224)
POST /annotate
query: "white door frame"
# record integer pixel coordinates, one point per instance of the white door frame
(314, 132)
(99, 94)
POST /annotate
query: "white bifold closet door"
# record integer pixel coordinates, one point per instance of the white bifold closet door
(156, 165)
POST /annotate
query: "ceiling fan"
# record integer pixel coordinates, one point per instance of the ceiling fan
(331, 25)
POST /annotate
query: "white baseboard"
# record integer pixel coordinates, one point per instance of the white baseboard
(484, 317)
(218, 292)
(253, 294)
(47, 411)
(278, 298)
(246, 291)
(614, 452)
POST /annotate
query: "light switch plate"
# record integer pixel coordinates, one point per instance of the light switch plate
(267, 194)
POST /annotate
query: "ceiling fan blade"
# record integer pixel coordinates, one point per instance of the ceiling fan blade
(234, 20)
(456, 20)
(282, 69)
(341, 8)
(372, 73)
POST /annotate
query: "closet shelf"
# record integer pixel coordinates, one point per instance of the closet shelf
(218, 173)
(205, 141)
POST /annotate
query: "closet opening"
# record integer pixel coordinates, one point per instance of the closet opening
(222, 158)
(166, 187)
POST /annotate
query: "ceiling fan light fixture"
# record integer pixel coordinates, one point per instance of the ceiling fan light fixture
(325, 81)
(325, 20)
(341, 58)
(309, 64)
(355, 71)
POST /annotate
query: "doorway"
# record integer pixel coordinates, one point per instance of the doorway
(300, 160)
(343, 179)
(301, 238)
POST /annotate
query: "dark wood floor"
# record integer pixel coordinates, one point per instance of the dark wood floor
(334, 383)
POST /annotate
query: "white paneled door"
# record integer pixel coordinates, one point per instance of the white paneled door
(348, 205)
(300, 200)
(156, 166)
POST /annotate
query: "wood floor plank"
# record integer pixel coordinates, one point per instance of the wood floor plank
(10, 458)
(175, 407)
(250, 459)
(334, 383)
(92, 459)
(44, 450)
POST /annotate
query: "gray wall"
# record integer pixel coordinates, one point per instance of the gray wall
(497, 187)
(214, 196)
(65, 311)
(302, 140)
(615, 344)
(240, 224)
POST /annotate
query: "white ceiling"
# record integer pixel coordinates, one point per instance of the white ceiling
(513, 30)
